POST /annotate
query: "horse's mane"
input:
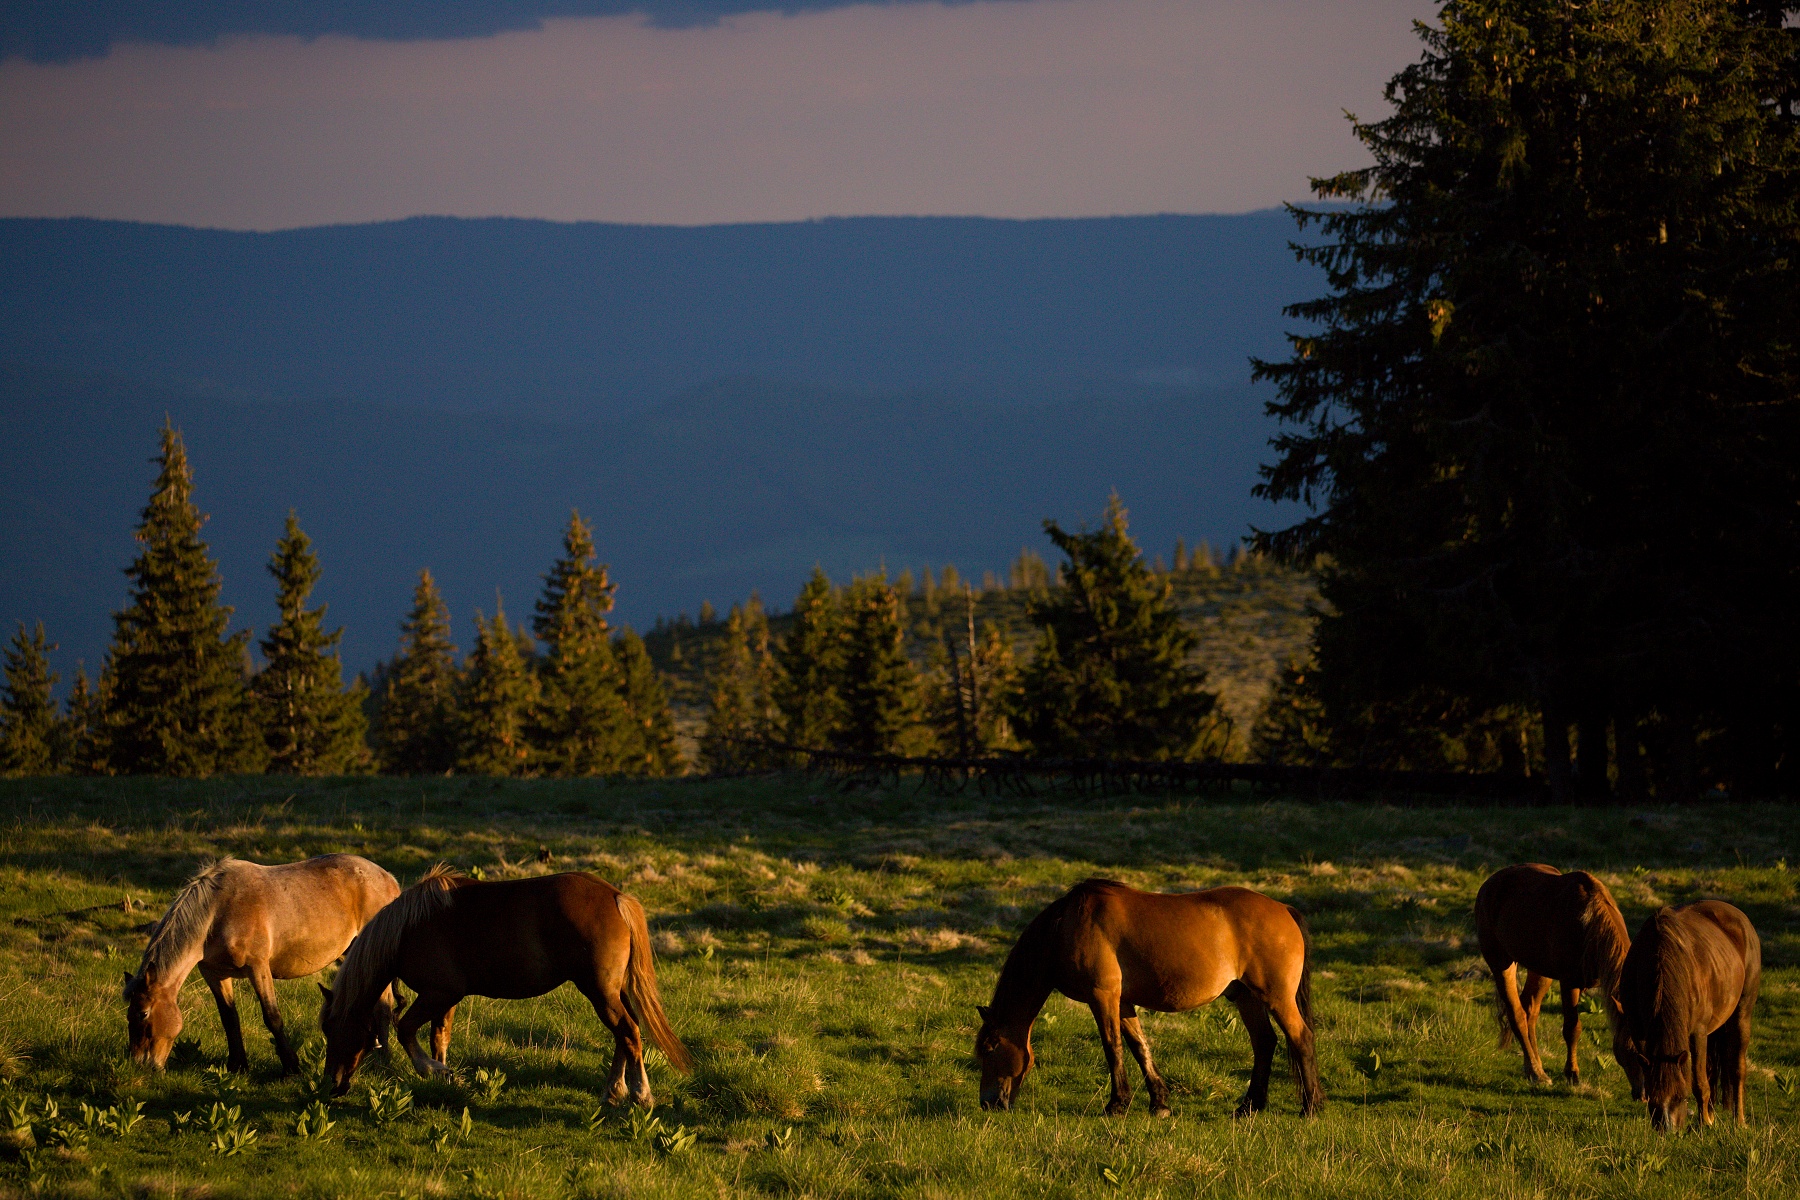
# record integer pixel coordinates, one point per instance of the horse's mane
(1028, 963)
(189, 917)
(368, 963)
(1604, 939)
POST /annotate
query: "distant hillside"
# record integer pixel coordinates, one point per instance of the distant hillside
(735, 486)
(589, 322)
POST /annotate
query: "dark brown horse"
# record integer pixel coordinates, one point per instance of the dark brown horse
(1117, 950)
(1556, 926)
(448, 937)
(237, 920)
(1688, 987)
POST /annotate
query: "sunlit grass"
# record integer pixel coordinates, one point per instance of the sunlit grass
(822, 954)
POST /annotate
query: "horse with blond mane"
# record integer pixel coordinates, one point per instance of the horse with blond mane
(1117, 950)
(1556, 926)
(449, 936)
(237, 920)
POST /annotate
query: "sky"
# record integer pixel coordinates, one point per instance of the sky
(268, 114)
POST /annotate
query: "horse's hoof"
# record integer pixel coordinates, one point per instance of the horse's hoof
(1161, 1110)
(1116, 1109)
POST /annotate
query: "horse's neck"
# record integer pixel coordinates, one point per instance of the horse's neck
(1020, 994)
(1608, 942)
(173, 967)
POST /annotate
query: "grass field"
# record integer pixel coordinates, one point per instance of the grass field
(822, 955)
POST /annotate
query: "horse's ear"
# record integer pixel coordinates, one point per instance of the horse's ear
(983, 1010)
(128, 981)
(325, 992)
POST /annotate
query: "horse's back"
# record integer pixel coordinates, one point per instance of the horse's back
(1542, 919)
(297, 916)
(1690, 969)
(520, 937)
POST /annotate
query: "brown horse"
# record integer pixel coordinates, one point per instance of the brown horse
(448, 936)
(1556, 926)
(236, 919)
(1117, 950)
(1688, 987)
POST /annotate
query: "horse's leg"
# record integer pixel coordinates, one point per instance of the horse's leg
(1697, 1066)
(224, 997)
(427, 1007)
(626, 1076)
(1737, 1066)
(1262, 1047)
(1140, 1050)
(1531, 998)
(1300, 1053)
(440, 1035)
(264, 985)
(1571, 1014)
(1105, 1007)
(1513, 1019)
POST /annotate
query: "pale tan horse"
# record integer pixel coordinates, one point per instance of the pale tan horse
(239, 920)
(1556, 926)
(1117, 950)
(449, 936)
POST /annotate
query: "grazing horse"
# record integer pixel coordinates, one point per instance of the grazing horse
(236, 919)
(1117, 950)
(1556, 926)
(448, 936)
(1688, 987)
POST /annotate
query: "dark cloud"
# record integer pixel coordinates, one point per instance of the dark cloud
(56, 31)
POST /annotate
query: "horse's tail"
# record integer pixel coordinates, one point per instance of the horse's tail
(1302, 1056)
(640, 987)
(1303, 993)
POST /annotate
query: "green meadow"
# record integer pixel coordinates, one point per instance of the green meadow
(821, 953)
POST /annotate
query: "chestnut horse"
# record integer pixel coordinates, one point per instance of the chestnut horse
(1117, 950)
(448, 936)
(1556, 926)
(1688, 987)
(236, 919)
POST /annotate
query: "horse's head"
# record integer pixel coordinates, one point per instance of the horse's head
(152, 1019)
(1664, 1083)
(1004, 1058)
(350, 1033)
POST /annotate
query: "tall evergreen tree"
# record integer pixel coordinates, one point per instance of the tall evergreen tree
(880, 688)
(30, 735)
(498, 695)
(1111, 677)
(177, 699)
(84, 732)
(416, 727)
(652, 748)
(810, 662)
(582, 726)
(312, 725)
(1548, 410)
(740, 700)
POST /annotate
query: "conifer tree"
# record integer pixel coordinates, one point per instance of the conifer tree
(83, 734)
(498, 695)
(1110, 677)
(312, 725)
(652, 748)
(582, 725)
(879, 686)
(177, 700)
(740, 702)
(810, 661)
(416, 726)
(30, 735)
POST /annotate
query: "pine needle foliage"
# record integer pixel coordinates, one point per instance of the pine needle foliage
(312, 724)
(881, 690)
(810, 662)
(582, 725)
(416, 722)
(1110, 677)
(499, 692)
(177, 697)
(83, 729)
(30, 734)
(740, 698)
(651, 748)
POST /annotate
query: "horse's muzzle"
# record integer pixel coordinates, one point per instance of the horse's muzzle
(996, 1100)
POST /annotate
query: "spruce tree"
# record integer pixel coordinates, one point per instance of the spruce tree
(880, 688)
(652, 748)
(177, 701)
(30, 734)
(1110, 678)
(582, 725)
(416, 729)
(312, 725)
(740, 704)
(810, 662)
(83, 733)
(498, 695)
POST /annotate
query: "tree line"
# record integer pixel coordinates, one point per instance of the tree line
(1546, 415)
(178, 694)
